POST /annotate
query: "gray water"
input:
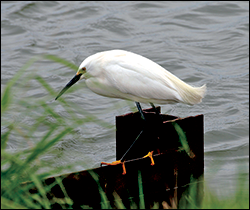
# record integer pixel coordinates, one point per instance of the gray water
(200, 42)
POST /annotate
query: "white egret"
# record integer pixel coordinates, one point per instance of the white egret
(126, 75)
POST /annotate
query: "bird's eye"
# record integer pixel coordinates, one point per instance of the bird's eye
(83, 70)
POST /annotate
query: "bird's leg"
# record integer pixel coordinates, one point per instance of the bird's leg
(156, 111)
(140, 110)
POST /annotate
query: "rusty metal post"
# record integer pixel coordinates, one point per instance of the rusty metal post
(164, 139)
(174, 173)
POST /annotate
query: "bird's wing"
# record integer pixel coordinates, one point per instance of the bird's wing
(141, 80)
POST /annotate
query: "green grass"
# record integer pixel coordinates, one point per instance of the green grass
(48, 127)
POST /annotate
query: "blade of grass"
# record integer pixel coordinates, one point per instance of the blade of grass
(62, 61)
(41, 148)
(6, 99)
(9, 204)
(45, 85)
(182, 138)
(5, 136)
(141, 195)
(105, 204)
(6, 96)
(45, 201)
(67, 198)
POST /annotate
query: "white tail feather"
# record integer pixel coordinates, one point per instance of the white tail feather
(191, 95)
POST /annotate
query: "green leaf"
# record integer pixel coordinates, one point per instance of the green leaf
(6, 99)
(182, 138)
(62, 61)
(45, 85)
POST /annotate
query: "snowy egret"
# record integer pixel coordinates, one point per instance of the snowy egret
(126, 75)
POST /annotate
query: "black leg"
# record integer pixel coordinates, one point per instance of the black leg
(156, 111)
(140, 110)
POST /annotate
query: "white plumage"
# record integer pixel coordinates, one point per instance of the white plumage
(126, 75)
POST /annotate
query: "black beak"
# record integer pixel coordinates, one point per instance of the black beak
(71, 82)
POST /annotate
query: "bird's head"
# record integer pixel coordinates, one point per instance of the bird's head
(88, 68)
(78, 76)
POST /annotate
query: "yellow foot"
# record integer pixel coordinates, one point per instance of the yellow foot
(150, 155)
(116, 163)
